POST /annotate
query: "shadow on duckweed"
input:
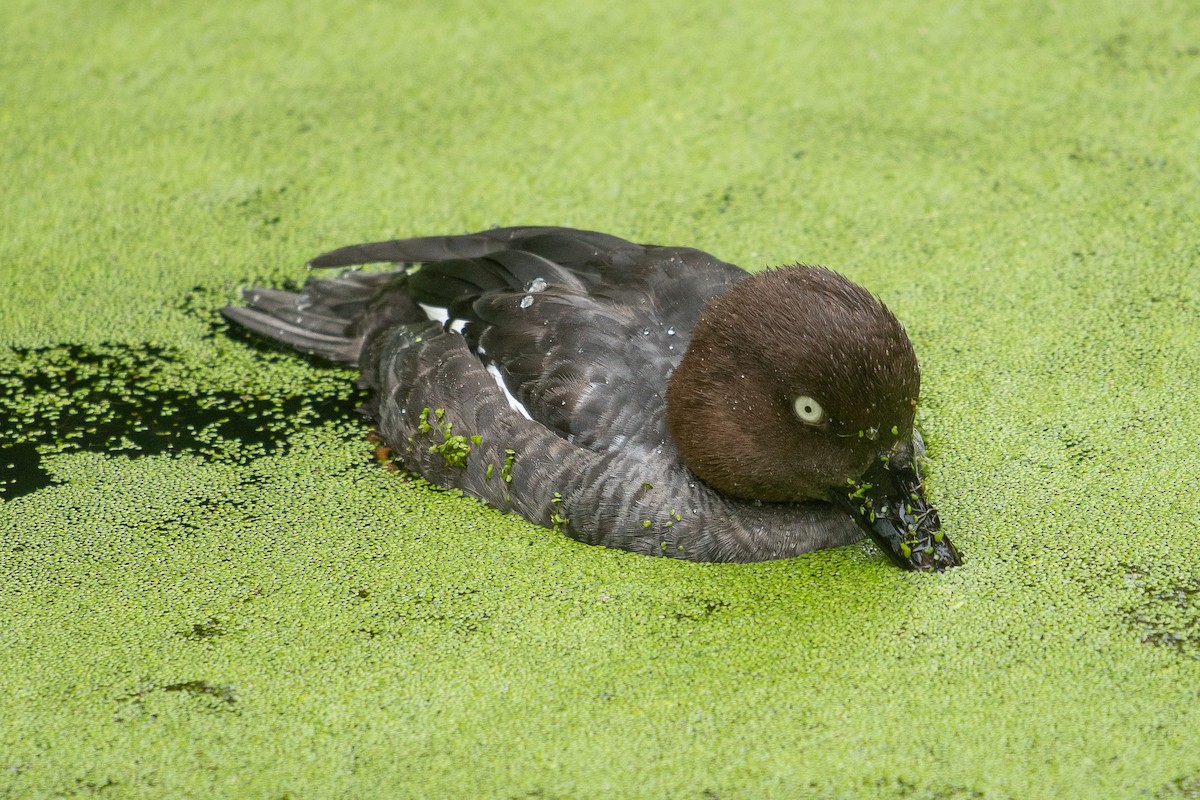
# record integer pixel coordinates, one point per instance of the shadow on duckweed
(1166, 611)
(114, 398)
(146, 700)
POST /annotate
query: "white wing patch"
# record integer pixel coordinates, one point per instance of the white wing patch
(439, 314)
(513, 402)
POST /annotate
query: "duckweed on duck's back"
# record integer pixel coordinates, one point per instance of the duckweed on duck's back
(591, 368)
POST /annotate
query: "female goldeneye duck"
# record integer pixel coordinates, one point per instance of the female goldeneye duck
(648, 398)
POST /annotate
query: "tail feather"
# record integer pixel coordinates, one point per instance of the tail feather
(338, 349)
(329, 318)
(296, 309)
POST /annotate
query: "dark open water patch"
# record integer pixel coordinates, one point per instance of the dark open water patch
(114, 398)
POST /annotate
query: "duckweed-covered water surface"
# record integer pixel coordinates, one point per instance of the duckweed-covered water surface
(208, 588)
(119, 399)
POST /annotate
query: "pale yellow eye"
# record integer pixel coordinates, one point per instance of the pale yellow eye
(809, 410)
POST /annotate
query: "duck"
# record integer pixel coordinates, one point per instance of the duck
(643, 397)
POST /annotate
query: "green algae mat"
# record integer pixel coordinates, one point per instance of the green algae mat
(209, 588)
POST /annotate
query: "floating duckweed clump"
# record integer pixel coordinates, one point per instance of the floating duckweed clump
(116, 398)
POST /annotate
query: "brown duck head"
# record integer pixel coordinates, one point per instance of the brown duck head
(799, 385)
